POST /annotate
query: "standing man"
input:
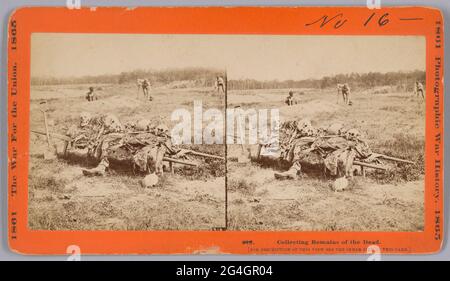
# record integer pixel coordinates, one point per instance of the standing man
(346, 93)
(145, 87)
(220, 84)
(419, 89)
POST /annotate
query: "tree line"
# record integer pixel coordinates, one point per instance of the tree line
(355, 80)
(206, 77)
(203, 76)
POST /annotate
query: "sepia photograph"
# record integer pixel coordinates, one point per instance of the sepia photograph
(349, 150)
(102, 156)
(227, 132)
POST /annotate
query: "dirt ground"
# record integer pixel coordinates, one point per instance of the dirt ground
(393, 124)
(60, 197)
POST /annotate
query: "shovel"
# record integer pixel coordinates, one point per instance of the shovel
(50, 151)
(244, 156)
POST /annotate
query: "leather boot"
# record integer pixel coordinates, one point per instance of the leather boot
(289, 174)
(100, 170)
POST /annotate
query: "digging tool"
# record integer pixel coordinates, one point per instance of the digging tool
(258, 153)
(50, 152)
(57, 136)
(138, 88)
(244, 157)
(66, 139)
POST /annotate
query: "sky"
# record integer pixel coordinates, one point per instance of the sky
(261, 57)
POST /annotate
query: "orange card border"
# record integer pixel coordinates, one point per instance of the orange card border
(213, 20)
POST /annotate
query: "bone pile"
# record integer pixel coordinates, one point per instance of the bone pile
(335, 146)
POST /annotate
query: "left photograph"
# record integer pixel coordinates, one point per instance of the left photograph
(119, 139)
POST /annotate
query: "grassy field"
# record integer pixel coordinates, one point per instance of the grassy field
(60, 197)
(393, 123)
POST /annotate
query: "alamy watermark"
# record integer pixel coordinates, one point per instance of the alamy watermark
(373, 4)
(73, 4)
(74, 252)
(209, 126)
(374, 253)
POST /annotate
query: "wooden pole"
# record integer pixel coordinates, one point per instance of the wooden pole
(58, 136)
(258, 154)
(179, 161)
(362, 164)
(172, 171)
(46, 129)
(395, 159)
(205, 155)
(137, 93)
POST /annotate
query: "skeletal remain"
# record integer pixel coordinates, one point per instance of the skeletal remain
(85, 118)
(142, 125)
(292, 173)
(340, 184)
(309, 131)
(303, 124)
(162, 129)
(130, 126)
(100, 170)
(353, 134)
(150, 180)
(112, 124)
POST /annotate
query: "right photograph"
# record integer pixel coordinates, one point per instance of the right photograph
(326, 133)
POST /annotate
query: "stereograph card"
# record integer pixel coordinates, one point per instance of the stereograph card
(245, 130)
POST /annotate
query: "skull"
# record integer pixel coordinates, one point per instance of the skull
(143, 125)
(353, 134)
(149, 181)
(320, 131)
(343, 131)
(162, 129)
(310, 131)
(130, 125)
(112, 123)
(304, 126)
(340, 184)
(85, 118)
